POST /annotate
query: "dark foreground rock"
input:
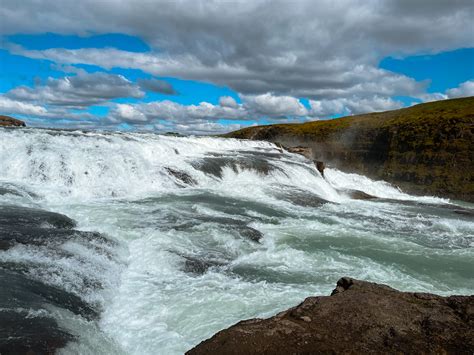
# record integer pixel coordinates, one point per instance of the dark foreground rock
(10, 121)
(359, 317)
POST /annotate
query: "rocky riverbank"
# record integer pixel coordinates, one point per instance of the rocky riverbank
(7, 121)
(424, 149)
(359, 317)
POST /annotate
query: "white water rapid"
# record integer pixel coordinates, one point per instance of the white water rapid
(197, 233)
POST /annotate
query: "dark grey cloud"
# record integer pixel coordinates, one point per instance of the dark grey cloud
(318, 49)
(158, 86)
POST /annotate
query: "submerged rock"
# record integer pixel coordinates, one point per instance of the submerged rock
(358, 195)
(20, 334)
(359, 317)
(181, 176)
(199, 266)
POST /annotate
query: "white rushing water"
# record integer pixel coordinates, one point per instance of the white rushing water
(210, 231)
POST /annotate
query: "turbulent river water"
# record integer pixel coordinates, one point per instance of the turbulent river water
(176, 238)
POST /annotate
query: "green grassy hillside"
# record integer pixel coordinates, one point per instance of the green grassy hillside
(427, 148)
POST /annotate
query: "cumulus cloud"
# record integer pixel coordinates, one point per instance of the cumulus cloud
(275, 106)
(127, 113)
(463, 90)
(352, 106)
(10, 106)
(252, 108)
(175, 112)
(228, 101)
(81, 90)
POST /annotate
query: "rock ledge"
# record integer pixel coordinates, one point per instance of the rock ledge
(358, 317)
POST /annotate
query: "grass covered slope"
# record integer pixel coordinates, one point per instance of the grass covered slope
(426, 149)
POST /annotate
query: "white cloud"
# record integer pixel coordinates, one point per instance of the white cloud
(175, 112)
(127, 113)
(352, 106)
(228, 101)
(463, 90)
(80, 90)
(275, 106)
(9, 106)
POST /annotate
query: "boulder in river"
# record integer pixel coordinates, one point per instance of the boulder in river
(359, 317)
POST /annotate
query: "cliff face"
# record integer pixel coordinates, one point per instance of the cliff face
(358, 318)
(425, 149)
(10, 121)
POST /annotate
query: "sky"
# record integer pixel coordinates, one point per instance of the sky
(207, 67)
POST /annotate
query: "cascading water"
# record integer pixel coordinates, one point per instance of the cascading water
(177, 238)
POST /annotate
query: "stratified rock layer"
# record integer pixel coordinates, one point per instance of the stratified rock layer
(424, 149)
(359, 317)
(10, 121)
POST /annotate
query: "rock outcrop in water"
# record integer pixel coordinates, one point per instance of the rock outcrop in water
(10, 121)
(358, 318)
(425, 149)
(28, 302)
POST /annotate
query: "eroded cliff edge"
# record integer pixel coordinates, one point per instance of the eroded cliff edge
(359, 318)
(424, 149)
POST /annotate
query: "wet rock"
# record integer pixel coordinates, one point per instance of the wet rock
(198, 266)
(320, 166)
(302, 198)
(15, 216)
(464, 212)
(6, 121)
(29, 297)
(215, 165)
(251, 233)
(304, 151)
(29, 226)
(359, 317)
(358, 195)
(5, 191)
(20, 291)
(30, 335)
(182, 176)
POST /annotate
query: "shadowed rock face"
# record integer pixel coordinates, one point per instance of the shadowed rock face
(424, 149)
(10, 121)
(359, 317)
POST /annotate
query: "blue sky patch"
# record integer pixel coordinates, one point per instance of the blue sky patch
(445, 70)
